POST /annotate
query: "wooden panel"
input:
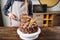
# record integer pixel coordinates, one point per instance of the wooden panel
(47, 33)
(57, 20)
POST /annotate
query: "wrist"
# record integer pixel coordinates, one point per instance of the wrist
(9, 14)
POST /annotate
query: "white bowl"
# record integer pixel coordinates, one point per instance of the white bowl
(29, 36)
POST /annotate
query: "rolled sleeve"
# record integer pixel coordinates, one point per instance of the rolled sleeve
(6, 7)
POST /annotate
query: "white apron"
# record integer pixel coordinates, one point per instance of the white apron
(17, 10)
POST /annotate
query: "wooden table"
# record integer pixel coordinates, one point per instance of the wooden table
(47, 33)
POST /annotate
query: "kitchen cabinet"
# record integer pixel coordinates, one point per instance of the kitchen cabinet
(48, 19)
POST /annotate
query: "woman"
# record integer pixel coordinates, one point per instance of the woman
(17, 7)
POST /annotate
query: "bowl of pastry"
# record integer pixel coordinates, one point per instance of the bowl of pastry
(28, 28)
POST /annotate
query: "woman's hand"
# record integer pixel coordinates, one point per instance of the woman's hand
(11, 16)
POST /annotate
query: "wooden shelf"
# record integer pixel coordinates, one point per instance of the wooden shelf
(48, 19)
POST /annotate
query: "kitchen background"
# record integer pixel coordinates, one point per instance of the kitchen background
(6, 20)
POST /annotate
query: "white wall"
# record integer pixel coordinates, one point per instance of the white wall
(7, 21)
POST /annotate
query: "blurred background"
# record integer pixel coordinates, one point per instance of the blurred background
(5, 21)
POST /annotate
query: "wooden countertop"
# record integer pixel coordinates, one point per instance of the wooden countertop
(47, 33)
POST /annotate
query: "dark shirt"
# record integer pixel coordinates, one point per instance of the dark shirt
(10, 3)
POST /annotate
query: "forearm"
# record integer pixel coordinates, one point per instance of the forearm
(5, 11)
(7, 6)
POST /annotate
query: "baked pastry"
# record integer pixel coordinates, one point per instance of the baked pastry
(27, 24)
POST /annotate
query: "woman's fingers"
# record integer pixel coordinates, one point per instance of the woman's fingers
(12, 16)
